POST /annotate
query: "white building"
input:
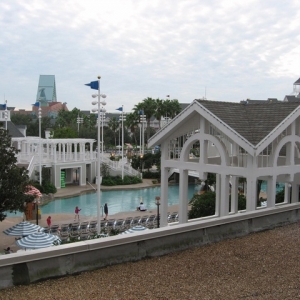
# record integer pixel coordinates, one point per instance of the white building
(258, 141)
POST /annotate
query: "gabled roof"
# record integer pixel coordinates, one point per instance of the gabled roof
(292, 98)
(253, 122)
(297, 82)
(13, 131)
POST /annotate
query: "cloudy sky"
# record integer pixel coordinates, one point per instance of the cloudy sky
(224, 50)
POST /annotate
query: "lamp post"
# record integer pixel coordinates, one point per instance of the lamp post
(167, 119)
(97, 86)
(157, 198)
(123, 118)
(142, 120)
(6, 114)
(37, 211)
(79, 121)
(40, 142)
(103, 111)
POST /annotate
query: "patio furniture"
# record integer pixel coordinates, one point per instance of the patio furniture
(143, 220)
(173, 217)
(64, 228)
(119, 225)
(84, 227)
(135, 221)
(54, 229)
(64, 237)
(93, 227)
(150, 222)
(110, 224)
(127, 222)
(83, 236)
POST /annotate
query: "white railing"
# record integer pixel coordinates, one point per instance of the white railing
(31, 165)
(33, 161)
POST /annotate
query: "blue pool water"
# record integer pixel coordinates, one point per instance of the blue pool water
(117, 201)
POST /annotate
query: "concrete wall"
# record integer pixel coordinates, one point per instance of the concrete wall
(31, 266)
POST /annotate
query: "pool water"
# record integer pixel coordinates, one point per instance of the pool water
(117, 201)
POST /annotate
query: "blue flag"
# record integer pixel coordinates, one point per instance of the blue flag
(37, 104)
(120, 108)
(2, 106)
(141, 112)
(94, 85)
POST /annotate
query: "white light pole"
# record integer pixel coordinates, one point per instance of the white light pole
(103, 110)
(40, 139)
(123, 118)
(79, 121)
(98, 150)
(6, 114)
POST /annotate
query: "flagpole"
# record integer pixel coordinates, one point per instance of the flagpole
(98, 161)
(122, 142)
(40, 142)
(6, 114)
(95, 85)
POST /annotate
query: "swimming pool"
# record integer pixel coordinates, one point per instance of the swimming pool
(117, 201)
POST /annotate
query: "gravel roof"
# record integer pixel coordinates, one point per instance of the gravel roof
(252, 121)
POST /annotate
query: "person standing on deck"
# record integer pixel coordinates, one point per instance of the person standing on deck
(105, 211)
(77, 210)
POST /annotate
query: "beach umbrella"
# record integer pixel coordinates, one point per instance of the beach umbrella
(38, 240)
(134, 229)
(23, 229)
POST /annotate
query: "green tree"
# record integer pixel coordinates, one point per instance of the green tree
(68, 118)
(160, 110)
(64, 133)
(149, 106)
(14, 181)
(113, 124)
(132, 122)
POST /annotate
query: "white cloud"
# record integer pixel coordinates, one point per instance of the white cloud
(236, 49)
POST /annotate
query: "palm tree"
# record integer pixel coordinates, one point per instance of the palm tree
(174, 108)
(149, 107)
(113, 124)
(132, 121)
(160, 111)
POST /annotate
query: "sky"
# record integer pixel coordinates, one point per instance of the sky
(189, 49)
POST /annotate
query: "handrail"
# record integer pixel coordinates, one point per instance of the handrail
(92, 186)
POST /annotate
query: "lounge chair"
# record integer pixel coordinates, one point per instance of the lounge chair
(143, 220)
(119, 225)
(54, 229)
(127, 222)
(150, 222)
(93, 227)
(173, 217)
(84, 227)
(64, 237)
(135, 221)
(64, 228)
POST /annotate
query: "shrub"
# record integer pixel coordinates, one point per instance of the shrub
(49, 188)
(117, 180)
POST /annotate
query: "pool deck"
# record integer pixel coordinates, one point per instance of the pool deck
(70, 191)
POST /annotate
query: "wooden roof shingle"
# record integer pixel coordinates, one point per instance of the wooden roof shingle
(252, 121)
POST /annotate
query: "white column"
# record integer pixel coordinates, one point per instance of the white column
(183, 196)
(287, 193)
(251, 188)
(218, 194)
(164, 198)
(295, 192)
(224, 204)
(234, 194)
(271, 194)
